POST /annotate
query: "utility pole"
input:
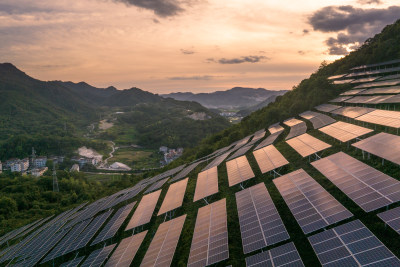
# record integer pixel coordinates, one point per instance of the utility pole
(55, 182)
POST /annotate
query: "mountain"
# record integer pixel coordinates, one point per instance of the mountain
(235, 98)
(266, 102)
(53, 116)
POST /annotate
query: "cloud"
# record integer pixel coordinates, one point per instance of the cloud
(369, 2)
(162, 8)
(305, 32)
(353, 25)
(301, 52)
(196, 78)
(245, 59)
(187, 51)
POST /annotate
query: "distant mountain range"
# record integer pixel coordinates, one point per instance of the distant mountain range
(235, 98)
(32, 112)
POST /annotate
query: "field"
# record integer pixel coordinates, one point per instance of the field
(137, 158)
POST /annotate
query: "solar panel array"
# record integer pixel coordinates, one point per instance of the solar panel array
(389, 77)
(72, 263)
(391, 100)
(275, 128)
(384, 145)
(378, 84)
(269, 158)
(156, 185)
(162, 247)
(344, 131)
(239, 170)
(352, 112)
(392, 218)
(340, 99)
(260, 223)
(98, 257)
(383, 90)
(327, 107)
(89, 232)
(114, 224)
(382, 117)
(307, 145)
(126, 251)
(367, 187)
(217, 161)
(318, 120)
(240, 152)
(174, 197)
(312, 206)
(21, 231)
(144, 211)
(284, 255)
(207, 184)
(297, 127)
(210, 236)
(185, 172)
(353, 92)
(351, 244)
(269, 140)
(367, 79)
(372, 99)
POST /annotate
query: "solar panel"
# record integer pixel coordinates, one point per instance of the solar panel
(241, 142)
(297, 127)
(98, 257)
(240, 152)
(257, 136)
(389, 77)
(21, 231)
(184, 173)
(260, 223)
(383, 90)
(156, 185)
(89, 232)
(207, 184)
(340, 99)
(344, 131)
(126, 251)
(371, 99)
(391, 100)
(367, 187)
(312, 206)
(269, 140)
(353, 92)
(144, 211)
(343, 81)
(217, 161)
(384, 145)
(174, 197)
(269, 158)
(382, 117)
(114, 224)
(239, 170)
(318, 120)
(392, 218)
(67, 241)
(327, 107)
(72, 263)
(351, 244)
(352, 112)
(210, 236)
(378, 84)
(284, 255)
(162, 247)
(275, 128)
(367, 79)
(307, 145)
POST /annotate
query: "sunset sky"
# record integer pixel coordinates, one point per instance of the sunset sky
(187, 45)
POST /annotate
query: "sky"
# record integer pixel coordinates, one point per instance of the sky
(166, 46)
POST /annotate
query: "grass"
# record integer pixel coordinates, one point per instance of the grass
(137, 158)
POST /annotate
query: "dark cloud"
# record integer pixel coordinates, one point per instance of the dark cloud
(162, 8)
(197, 78)
(301, 52)
(187, 52)
(353, 25)
(305, 32)
(156, 21)
(246, 59)
(369, 2)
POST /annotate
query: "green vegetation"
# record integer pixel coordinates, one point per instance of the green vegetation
(137, 158)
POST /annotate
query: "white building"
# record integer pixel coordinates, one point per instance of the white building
(163, 149)
(39, 162)
(19, 165)
(37, 172)
(74, 168)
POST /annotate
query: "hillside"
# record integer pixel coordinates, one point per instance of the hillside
(247, 111)
(235, 98)
(325, 204)
(54, 116)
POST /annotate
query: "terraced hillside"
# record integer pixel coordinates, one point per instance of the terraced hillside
(320, 187)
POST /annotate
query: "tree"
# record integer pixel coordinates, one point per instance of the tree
(7, 206)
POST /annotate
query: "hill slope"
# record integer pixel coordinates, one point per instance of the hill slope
(235, 98)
